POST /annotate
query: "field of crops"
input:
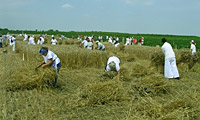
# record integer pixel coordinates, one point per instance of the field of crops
(85, 91)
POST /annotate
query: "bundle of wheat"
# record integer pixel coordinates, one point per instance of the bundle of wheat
(101, 93)
(26, 78)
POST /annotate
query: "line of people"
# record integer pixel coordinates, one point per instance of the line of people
(133, 41)
(40, 41)
(89, 44)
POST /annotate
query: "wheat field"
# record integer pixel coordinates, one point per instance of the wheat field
(84, 91)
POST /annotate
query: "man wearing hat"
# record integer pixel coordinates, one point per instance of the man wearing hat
(100, 46)
(193, 47)
(170, 68)
(50, 59)
(113, 65)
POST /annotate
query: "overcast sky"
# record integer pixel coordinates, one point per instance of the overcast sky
(129, 16)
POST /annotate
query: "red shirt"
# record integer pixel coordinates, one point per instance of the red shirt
(135, 40)
(140, 40)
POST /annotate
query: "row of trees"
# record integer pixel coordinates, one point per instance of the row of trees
(6, 30)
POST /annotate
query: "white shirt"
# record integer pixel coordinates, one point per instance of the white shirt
(8, 37)
(31, 41)
(25, 37)
(90, 38)
(13, 40)
(84, 42)
(114, 59)
(117, 39)
(167, 50)
(110, 40)
(193, 48)
(42, 40)
(89, 45)
(54, 41)
(53, 56)
(127, 40)
(100, 46)
(38, 42)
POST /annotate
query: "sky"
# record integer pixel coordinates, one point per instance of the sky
(180, 17)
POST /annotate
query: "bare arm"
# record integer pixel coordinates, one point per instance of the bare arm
(47, 64)
(118, 74)
(39, 66)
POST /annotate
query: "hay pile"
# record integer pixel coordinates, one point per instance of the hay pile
(152, 85)
(71, 41)
(81, 58)
(196, 68)
(101, 93)
(157, 61)
(186, 60)
(26, 78)
(139, 71)
(124, 57)
(184, 56)
(121, 47)
(132, 71)
(109, 75)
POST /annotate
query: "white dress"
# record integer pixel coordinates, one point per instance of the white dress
(170, 68)
(193, 48)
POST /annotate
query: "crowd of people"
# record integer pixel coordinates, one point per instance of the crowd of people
(133, 41)
(113, 62)
(7, 40)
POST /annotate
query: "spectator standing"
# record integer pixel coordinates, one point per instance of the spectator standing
(127, 41)
(140, 41)
(134, 41)
(193, 47)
